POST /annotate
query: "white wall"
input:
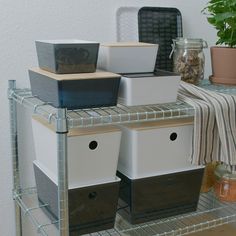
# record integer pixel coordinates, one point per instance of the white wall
(21, 22)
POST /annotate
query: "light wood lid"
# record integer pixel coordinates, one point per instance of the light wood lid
(79, 131)
(128, 44)
(160, 124)
(77, 76)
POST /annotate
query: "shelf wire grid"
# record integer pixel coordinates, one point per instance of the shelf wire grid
(103, 115)
(226, 89)
(210, 213)
(26, 200)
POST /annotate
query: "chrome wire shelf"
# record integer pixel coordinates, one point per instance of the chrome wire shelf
(104, 115)
(116, 114)
(226, 89)
(210, 213)
(27, 200)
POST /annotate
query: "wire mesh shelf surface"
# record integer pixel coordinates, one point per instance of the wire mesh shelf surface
(103, 115)
(226, 89)
(210, 213)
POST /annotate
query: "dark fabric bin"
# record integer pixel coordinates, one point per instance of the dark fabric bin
(156, 197)
(91, 209)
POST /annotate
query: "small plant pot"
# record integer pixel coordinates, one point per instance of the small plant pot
(223, 65)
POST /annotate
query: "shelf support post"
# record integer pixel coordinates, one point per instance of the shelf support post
(14, 153)
(62, 130)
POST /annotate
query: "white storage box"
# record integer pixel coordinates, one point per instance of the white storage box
(132, 57)
(148, 88)
(156, 148)
(92, 152)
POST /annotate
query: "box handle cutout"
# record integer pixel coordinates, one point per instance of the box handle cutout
(173, 136)
(92, 195)
(93, 145)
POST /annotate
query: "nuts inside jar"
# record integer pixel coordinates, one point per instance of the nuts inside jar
(190, 65)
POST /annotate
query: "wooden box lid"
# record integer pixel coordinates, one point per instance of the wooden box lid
(77, 76)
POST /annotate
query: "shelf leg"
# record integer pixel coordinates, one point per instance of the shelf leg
(62, 130)
(14, 153)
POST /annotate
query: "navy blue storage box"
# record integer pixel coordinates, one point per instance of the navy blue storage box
(67, 56)
(74, 91)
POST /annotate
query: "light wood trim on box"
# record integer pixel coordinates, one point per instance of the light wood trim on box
(79, 131)
(160, 124)
(78, 76)
(128, 44)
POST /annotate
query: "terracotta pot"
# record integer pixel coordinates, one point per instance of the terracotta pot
(223, 65)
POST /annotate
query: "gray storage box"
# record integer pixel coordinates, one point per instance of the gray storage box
(67, 56)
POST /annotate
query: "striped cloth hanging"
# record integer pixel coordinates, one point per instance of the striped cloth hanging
(214, 136)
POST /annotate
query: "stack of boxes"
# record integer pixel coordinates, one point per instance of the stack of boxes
(92, 163)
(157, 178)
(68, 78)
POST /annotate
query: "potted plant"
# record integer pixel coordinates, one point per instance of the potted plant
(222, 15)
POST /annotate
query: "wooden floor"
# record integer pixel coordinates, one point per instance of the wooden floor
(224, 230)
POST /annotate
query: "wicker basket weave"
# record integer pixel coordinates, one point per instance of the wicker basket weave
(160, 25)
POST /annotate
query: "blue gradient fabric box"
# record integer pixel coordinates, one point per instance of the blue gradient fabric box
(75, 91)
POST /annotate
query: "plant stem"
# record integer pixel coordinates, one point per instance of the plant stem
(231, 38)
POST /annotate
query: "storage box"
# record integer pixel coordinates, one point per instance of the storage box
(148, 88)
(155, 148)
(132, 57)
(75, 91)
(160, 196)
(67, 56)
(91, 208)
(92, 152)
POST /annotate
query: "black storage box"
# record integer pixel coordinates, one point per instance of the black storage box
(67, 56)
(91, 209)
(74, 91)
(152, 198)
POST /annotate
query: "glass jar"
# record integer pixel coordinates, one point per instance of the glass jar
(225, 185)
(208, 180)
(189, 59)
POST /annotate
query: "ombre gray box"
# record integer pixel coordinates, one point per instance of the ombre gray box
(67, 56)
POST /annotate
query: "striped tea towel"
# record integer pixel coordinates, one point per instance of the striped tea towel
(214, 124)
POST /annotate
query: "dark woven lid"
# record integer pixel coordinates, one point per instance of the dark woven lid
(160, 25)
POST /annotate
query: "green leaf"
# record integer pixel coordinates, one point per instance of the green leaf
(224, 16)
(211, 20)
